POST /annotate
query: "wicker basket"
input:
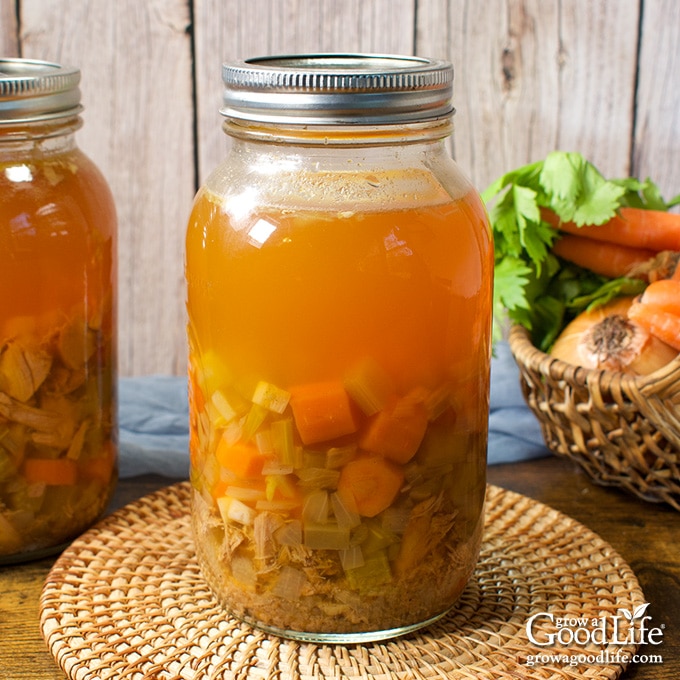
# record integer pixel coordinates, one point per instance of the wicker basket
(623, 430)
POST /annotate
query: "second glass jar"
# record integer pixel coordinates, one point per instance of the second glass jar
(339, 272)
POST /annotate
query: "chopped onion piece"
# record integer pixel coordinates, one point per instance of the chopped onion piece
(232, 433)
(337, 456)
(274, 467)
(234, 510)
(243, 570)
(282, 505)
(223, 407)
(352, 558)
(327, 536)
(290, 533)
(244, 493)
(290, 583)
(264, 527)
(313, 459)
(263, 441)
(318, 478)
(251, 423)
(344, 515)
(315, 508)
(271, 397)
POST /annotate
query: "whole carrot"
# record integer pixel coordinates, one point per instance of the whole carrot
(600, 257)
(634, 227)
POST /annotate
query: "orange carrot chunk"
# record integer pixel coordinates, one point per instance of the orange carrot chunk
(606, 259)
(243, 460)
(322, 411)
(396, 432)
(51, 471)
(372, 481)
(658, 310)
(664, 293)
(634, 227)
(98, 469)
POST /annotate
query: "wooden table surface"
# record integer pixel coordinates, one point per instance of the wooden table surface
(646, 535)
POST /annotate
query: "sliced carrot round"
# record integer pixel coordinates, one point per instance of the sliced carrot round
(373, 482)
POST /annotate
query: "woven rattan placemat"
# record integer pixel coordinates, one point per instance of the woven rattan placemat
(126, 601)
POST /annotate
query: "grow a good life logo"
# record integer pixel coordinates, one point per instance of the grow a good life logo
(602, 640)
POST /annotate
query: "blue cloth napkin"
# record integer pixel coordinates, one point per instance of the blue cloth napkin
(154, 415)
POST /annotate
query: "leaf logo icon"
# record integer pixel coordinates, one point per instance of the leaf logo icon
(637, 613)
(640, 611)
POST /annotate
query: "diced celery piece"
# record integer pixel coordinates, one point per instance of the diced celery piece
(315, 508)
(318, 478)
(337, 456)
(344, 515)
(374, 572)
(223, 407)
(271, 397)
(281, 483)
(289, 583)
(327, 536)
(232, 509)
(369, 386)
(251, 423)
(283, 442)
(378, 538)
(290, 533)
(352, 558)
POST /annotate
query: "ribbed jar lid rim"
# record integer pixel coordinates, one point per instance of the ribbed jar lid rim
(330, 88)
(33, 90)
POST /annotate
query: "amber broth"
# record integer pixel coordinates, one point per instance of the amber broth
(57, 336)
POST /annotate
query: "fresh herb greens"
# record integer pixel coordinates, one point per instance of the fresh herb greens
(532, 286)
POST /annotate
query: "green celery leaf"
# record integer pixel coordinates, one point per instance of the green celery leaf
(511, 276)
(607, 292)
(548, 321)
(561, 179)
(526, 175)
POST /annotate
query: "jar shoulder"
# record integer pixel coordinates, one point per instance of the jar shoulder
(339, 179)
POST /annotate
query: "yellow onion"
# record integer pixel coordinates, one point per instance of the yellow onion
(605, 338)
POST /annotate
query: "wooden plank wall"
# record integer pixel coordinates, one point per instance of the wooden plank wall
(597, 76)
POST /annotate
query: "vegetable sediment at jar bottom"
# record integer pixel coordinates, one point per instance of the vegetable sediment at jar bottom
(335, 507)
(57, 451)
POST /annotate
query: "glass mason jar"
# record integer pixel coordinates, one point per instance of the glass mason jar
(57, 329)
(339, 273)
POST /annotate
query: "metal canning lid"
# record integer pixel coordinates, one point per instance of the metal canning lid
(318, 89)
(33, 90)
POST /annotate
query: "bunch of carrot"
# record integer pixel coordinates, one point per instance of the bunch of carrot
(629, 245)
